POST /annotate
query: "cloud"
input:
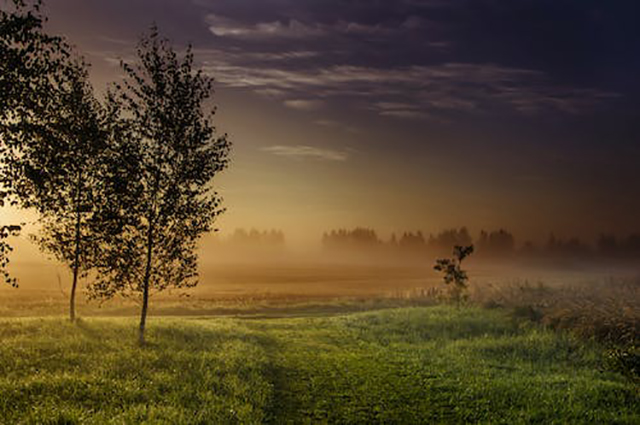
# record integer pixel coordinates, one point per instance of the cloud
(226, 27)
(222, 26)
(417, 91)
(307, 152)
(372, 57)
(328, 123)
(271, 92)
(407, 114)
(282, 56)
(339, 125)
(304, 104)
(400, 110)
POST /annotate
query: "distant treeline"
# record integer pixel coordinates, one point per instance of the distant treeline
(493, 244)
(269, 238)
(496, 244)
(253, 239)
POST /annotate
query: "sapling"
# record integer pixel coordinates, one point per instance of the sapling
(454, 276)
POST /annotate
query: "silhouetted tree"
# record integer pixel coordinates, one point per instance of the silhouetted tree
(257, 239)
(357, 238)
(167, 202)
(571, 248)
(412, 242)
(453, 274)
(607, 245)
(529, 249)
(31, 65)
(59, 174)
(6, 231)
(444, 240)
(631, 244)
(496, 243)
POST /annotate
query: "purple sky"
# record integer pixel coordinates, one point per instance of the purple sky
(410, 114)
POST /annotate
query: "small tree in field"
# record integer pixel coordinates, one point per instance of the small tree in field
(59, 174)
(31, 64)
(453, 274)
(162, 191)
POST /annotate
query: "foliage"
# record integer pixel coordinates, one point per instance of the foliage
(164, 201)
(625, 360)
(52, 138)
(5, 232)
(30, 63)
(607, 311)
(61, 172)
(31, 66)
(453, 274)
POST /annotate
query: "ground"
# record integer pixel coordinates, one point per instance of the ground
(404, 365)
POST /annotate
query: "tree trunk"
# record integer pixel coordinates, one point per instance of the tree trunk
(76, 267)
(76, 259)
(145, 286)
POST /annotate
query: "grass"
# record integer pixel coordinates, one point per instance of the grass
(406, 365)
(608, 310)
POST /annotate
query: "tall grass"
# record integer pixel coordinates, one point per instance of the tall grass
(607, 312)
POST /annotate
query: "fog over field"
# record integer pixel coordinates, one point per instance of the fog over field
(319, 211)
(267, 269)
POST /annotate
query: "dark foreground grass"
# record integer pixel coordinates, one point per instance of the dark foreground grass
(410, 365)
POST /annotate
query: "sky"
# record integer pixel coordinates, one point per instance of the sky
(408, 114)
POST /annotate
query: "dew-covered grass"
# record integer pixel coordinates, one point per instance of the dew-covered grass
(406, 365)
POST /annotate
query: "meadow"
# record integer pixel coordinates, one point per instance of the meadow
(403, 365)
(348, 344)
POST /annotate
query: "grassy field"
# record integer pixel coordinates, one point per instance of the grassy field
(407, 365)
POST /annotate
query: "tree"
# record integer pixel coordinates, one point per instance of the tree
(165, 199)
(453, 274)
(496, 243)
(7, 230)
(30, 64)
(59, 174)
(443, 241)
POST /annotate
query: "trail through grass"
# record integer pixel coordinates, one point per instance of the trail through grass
(409, 365)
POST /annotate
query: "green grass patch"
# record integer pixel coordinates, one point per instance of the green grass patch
(409, 365)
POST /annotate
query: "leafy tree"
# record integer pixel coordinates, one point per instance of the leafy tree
(30, 64)
(496, 243)
(163, 191)
(443, 241)
(7, 230)
(453, 274)
(59, 174)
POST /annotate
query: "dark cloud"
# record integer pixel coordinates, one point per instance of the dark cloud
(416, 91)
(485, 89)
(432, 58)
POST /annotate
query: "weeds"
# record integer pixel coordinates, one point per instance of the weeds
(607, 312)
